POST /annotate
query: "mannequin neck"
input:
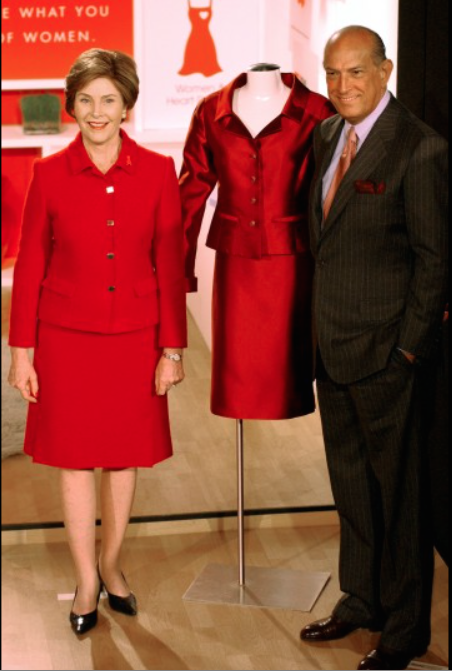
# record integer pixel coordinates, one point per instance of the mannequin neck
(262, 98)
(264, 84)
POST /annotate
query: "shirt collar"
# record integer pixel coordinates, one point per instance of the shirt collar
(364, 127)
(293, 108)
(80, 160)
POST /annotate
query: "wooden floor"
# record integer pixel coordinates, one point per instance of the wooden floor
(170, 633)
(285, 467)
(284, 460)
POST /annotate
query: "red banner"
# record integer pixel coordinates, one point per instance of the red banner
(41, 39)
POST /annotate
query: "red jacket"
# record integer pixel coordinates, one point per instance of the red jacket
(263, 182)
(101, 253)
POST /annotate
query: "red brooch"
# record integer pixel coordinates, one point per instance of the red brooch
(370, 187)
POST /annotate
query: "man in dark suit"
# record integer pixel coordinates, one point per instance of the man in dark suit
(380, 289)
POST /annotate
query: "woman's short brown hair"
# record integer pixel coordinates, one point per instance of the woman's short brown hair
(120, 68)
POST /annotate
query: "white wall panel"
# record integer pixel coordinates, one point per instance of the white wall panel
(314, 21)
(178, 52)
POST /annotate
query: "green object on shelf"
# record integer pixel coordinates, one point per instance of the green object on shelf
(41, 114)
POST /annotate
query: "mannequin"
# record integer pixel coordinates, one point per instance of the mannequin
(262, 98)
(254, 138)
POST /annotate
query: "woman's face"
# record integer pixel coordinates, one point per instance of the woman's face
(99, 109)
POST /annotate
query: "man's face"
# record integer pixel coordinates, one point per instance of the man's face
(356, 84)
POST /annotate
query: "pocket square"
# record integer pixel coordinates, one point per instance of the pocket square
(368, 186)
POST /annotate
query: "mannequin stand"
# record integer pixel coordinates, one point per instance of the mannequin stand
(264, 587)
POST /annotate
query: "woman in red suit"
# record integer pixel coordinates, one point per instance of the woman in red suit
(99, 294)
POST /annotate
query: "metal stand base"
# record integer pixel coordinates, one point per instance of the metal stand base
(265, 587)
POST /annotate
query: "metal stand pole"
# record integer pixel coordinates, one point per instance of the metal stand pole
(240, 502)
(265, 587)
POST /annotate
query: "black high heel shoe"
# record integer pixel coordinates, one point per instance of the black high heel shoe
(82, 623)
(122, 604)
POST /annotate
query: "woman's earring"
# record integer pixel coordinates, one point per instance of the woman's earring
(124, 114)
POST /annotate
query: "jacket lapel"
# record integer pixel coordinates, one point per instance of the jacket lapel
(371, 154)
(293, 109)
(329, 134)
(373, 151)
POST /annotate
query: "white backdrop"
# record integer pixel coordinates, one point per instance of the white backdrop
(162, 33)
(314, 21)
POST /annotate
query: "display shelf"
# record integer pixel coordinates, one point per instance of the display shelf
(13, 137)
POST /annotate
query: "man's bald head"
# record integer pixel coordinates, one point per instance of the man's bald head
(361, 33)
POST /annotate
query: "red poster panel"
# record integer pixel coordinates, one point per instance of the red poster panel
(17, 166)
(41, 38)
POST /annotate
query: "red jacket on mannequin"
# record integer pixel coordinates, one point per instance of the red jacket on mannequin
(262, 352)
(263, 182)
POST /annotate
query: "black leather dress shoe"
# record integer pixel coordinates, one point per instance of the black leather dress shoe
(328, 629)
(122, 604)
(382, 659)
(82, 623)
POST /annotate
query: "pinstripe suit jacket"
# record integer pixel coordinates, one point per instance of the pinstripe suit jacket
(381, 256)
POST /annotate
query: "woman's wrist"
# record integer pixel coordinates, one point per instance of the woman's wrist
(19, 352)
(173, 354)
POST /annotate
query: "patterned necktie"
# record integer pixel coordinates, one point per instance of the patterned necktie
(345, 160)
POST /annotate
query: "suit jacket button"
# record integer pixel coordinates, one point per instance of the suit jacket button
(110, 255)
(253, 223)
(110, 222)
(253, 201)
(111, 288)
(254, 178)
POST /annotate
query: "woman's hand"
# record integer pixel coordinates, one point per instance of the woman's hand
(168, 374)
(22, 374)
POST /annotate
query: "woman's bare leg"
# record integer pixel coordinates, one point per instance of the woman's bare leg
(116, 495)
(78, 493)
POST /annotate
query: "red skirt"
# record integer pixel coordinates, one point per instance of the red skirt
(262, 342)
(97, 404)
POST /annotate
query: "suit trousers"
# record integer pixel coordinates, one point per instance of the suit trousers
(373, 440)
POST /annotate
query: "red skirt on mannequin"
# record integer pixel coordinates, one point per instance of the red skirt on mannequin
(262, 342)
(97, 403)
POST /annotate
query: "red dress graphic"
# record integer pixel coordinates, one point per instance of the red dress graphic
(200, 52)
